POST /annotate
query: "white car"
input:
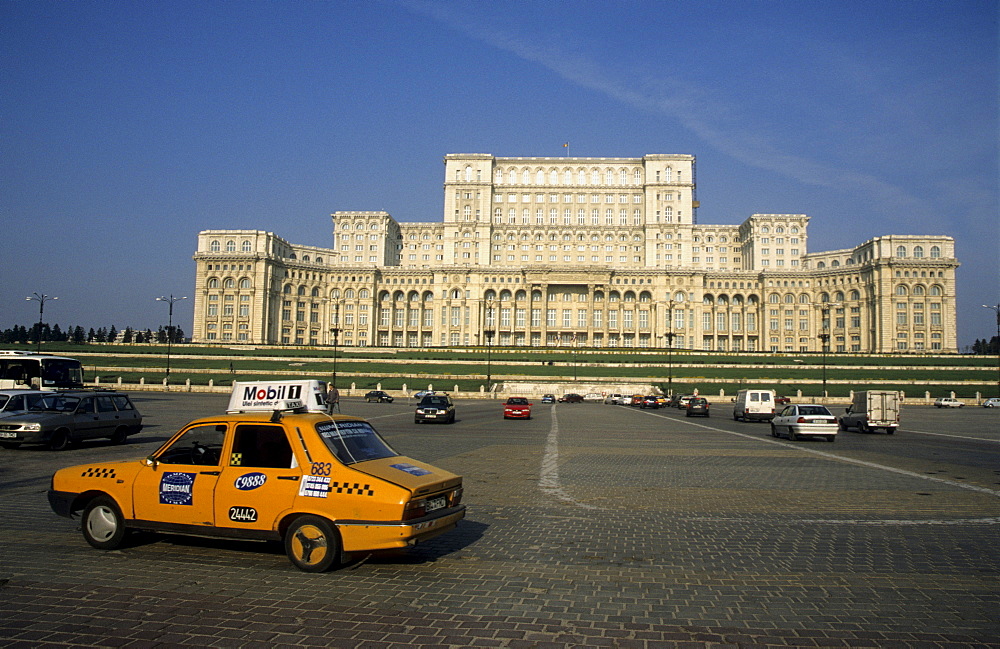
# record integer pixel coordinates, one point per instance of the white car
(992, 402)
(948, 402)
(805, 421)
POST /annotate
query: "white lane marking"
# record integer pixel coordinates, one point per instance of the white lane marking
(973, 439)
(840, 458)
(548, 478)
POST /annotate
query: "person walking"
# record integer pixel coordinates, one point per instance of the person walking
(332, 399)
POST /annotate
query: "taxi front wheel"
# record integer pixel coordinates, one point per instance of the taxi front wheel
(312, 544)
(102, 524)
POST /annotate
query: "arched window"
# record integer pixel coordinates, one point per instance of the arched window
(902, 290)
(504, 295)
(838, 296)
(789, 298)
(213, 283)
(900, 251)
(214, 246)
(708, 299)
(246, 246)
(936, 290)
(773, 298)
(245, 282)
(804, 298)
(918, 290)
(229, 282)
(918, 252)
(645, 297)
(349, 294)
(230, 246)
(302, 290)
(335, 294)
(287, 290)
(536, 296)
(520, 296)
(935, 252)
(629, 296)
(679, 296)
(314, 292)
(855, 295)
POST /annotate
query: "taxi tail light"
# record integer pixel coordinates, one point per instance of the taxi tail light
(455, 497)
(415, 509)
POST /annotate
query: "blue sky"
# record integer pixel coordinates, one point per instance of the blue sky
(128, 127)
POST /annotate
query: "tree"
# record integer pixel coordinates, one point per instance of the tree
(91, 335)
(112, 334)
(127, 335)
(78, 335)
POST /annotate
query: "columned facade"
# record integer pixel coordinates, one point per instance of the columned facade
(587, 252)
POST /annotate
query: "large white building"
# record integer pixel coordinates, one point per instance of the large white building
(596, 252)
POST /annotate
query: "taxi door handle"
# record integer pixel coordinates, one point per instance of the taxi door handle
(209, 472)
(288, 477)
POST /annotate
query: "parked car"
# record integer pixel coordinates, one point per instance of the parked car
(613, 398)
(948, 402)
(378, 396)
(992, 402)
(782, 401)
(697, 406)
(548, 398)
(435, 407)
(805, 421)
(571, 398)
(517, 408)
(593, 397)
(15, 402)
(649, 401)
(71, 416)
(324, 485)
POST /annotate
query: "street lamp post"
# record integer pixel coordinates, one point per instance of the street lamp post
(825, 335)
(997, 309)
(335, 332)
(40, 298)
(670, 347)
(488, 332)
(170, 323)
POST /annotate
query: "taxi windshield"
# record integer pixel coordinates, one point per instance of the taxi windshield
(353, 441)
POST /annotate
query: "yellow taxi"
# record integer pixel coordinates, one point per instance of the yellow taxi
(324, 484)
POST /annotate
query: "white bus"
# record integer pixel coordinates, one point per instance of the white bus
(31, 371)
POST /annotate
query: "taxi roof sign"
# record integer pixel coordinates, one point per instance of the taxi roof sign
(268, 396)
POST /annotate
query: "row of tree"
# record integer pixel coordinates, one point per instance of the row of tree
(21, 334)
(990, 347)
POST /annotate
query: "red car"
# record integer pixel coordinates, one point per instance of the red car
(571, 398)
(517, 408)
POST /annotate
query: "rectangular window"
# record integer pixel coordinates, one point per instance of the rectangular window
(550, 317)
(536, 317)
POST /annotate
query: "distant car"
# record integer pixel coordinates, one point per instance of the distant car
(70, 416)
(948, 402)
(423, 393)
(517, 408)
(548, 398)
(782, 401)
(613, 398)
(435, 407)
(649, 401)
(992, 402)
(14, 402)
(593, 396)
(571, 398)
(661, 401)
(636, 400)
(682, 401)
(378, 396)
(796, 421)
(697, 407)
(672, 400)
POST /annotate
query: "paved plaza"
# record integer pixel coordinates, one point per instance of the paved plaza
(587, 526)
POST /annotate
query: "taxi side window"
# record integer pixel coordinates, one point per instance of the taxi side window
(201, 445)
(262, 446)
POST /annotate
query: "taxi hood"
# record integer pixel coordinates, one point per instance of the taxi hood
(419, 477)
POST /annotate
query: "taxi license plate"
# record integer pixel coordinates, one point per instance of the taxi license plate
(8, 434)
(436, 503)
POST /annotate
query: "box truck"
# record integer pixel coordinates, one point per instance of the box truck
(873, 409)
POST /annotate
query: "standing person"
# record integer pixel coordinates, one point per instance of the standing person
(332, 399)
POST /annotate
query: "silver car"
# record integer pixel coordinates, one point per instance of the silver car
(66, 417)
(805, 421)
(16, 402)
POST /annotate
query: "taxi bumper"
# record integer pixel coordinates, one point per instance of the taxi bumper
(61, 502)
(381, 535)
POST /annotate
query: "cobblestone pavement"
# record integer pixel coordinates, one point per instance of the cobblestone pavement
(588, 526)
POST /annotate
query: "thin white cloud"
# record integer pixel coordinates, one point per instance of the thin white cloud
(691, 106)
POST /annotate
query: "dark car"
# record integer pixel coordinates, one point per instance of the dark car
(650, 401)
(697, 406)
(62, 418)
(548, 398)
(378, 396)
(571, 398)
(782, 401)
(436, 407)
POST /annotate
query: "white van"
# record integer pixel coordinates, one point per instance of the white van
(873, 409)
(277, 395)
(754, 404)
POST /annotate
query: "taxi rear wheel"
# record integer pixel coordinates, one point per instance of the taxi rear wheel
(102, 524)
(312, 544)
